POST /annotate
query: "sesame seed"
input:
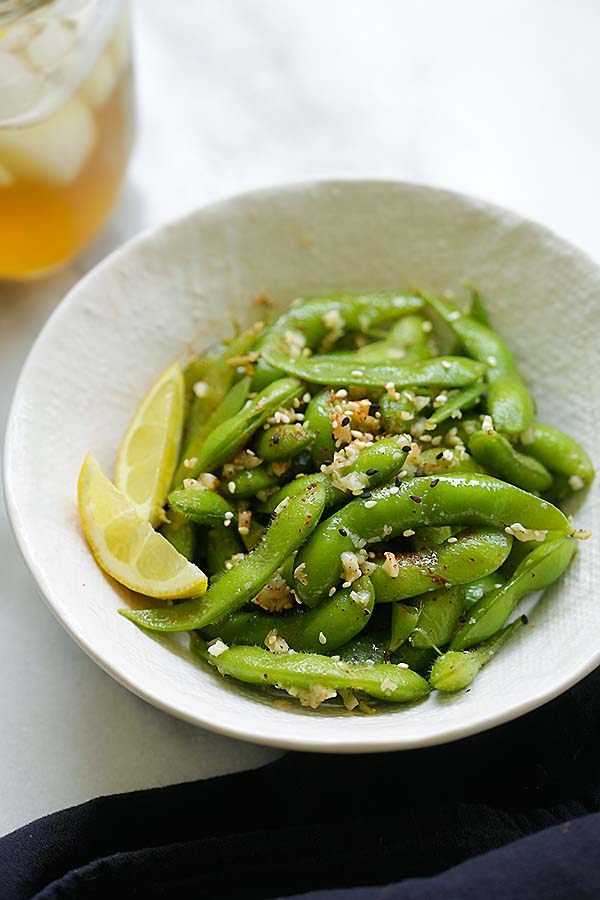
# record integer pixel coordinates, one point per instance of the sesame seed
(492, 361)
(415, 499)
(402, 665)
(306, 398)
(452, 540)
(341, 393)
(322, 638)
(346, 584)
(332, 591)
(446, 364)
(231, 487)
(408, 532)
(358, 372)
(434, 483)
(343, 532)
(366, 495)
(370, 504)
(227, 523)
(439, 455)
(371, 472)
(275, 438)
(345, 421)
(229, 514)
(395, 489)
(406, 448)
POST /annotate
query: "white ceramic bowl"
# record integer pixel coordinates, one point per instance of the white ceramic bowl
(143, 306)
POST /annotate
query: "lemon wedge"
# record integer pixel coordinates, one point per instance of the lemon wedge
(150, 448)
(127, 547)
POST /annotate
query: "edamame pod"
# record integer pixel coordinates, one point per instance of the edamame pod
(471, 554)
(442, 371)
(456, 402)
(456, 669)
(222, 542)
(440, 614)
(232, 435)
(288, 530)
(538, 570)
(478, 500)
(336, 621)
(558, 452)
(283, 442)
(499, 456)
(202, 507)
(313, 678)
(509, 402)
(403, 622)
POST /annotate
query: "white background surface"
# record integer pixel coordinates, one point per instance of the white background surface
(498, 99)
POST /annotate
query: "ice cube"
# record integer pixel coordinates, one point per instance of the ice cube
(51, 45)
(100, 83)
(55, 149)
(21, 89)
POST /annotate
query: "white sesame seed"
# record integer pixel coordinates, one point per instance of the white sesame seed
(200, 389)
(332, 591)
(492, 361)
(394, 489)
(370, 504)
(229, 514)
(403, 665)
(452, 540)
(446, 364)
(358, 372)
(408, 532)
(322, 638)
(231, 487)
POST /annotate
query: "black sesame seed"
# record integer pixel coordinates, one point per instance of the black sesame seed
(398, 481)
(275, 438)
(406, 448)
(371, 471)
(524, 620)
(434, 483)
(415, 499)
(343, 532)
(366, 494)
(439, 455)
(345, 421)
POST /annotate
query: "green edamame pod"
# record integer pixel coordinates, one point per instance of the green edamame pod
(457, 401)
(230, 405)
(288, 530)
(403, 622)
(181, 533)
(442, 371)
(249, 482)
(415, 659)
(321, 630)
(313, 678)
(215, 374)
(456, 669)
(499, 456)
(559, 453)
(367, 647)
(429, 538)
(472, 554)
(232, 435)
(318, 421)
(440, 614)
(538, 570)
(407, 341)
(283, 442)
(478, 311)
(478, 500)
(509, 402)
(222, 542)
(475, 590)
(202, 507)
(450, 460)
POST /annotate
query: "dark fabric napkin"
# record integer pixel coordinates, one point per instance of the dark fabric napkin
(511, 814)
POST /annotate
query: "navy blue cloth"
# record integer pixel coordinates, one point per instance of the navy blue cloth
(511, 813)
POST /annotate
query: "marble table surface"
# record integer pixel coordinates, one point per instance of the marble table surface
(494, 99)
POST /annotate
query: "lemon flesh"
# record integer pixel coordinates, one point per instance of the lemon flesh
(150, 448)
(126, 546)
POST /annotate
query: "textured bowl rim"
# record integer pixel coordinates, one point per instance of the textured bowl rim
(288, 739)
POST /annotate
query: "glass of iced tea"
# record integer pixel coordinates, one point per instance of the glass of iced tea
(66, 122)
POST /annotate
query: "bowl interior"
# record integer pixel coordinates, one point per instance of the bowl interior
(182, 286)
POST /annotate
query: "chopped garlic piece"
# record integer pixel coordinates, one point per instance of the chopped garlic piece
(217, 647)
(276, 644)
